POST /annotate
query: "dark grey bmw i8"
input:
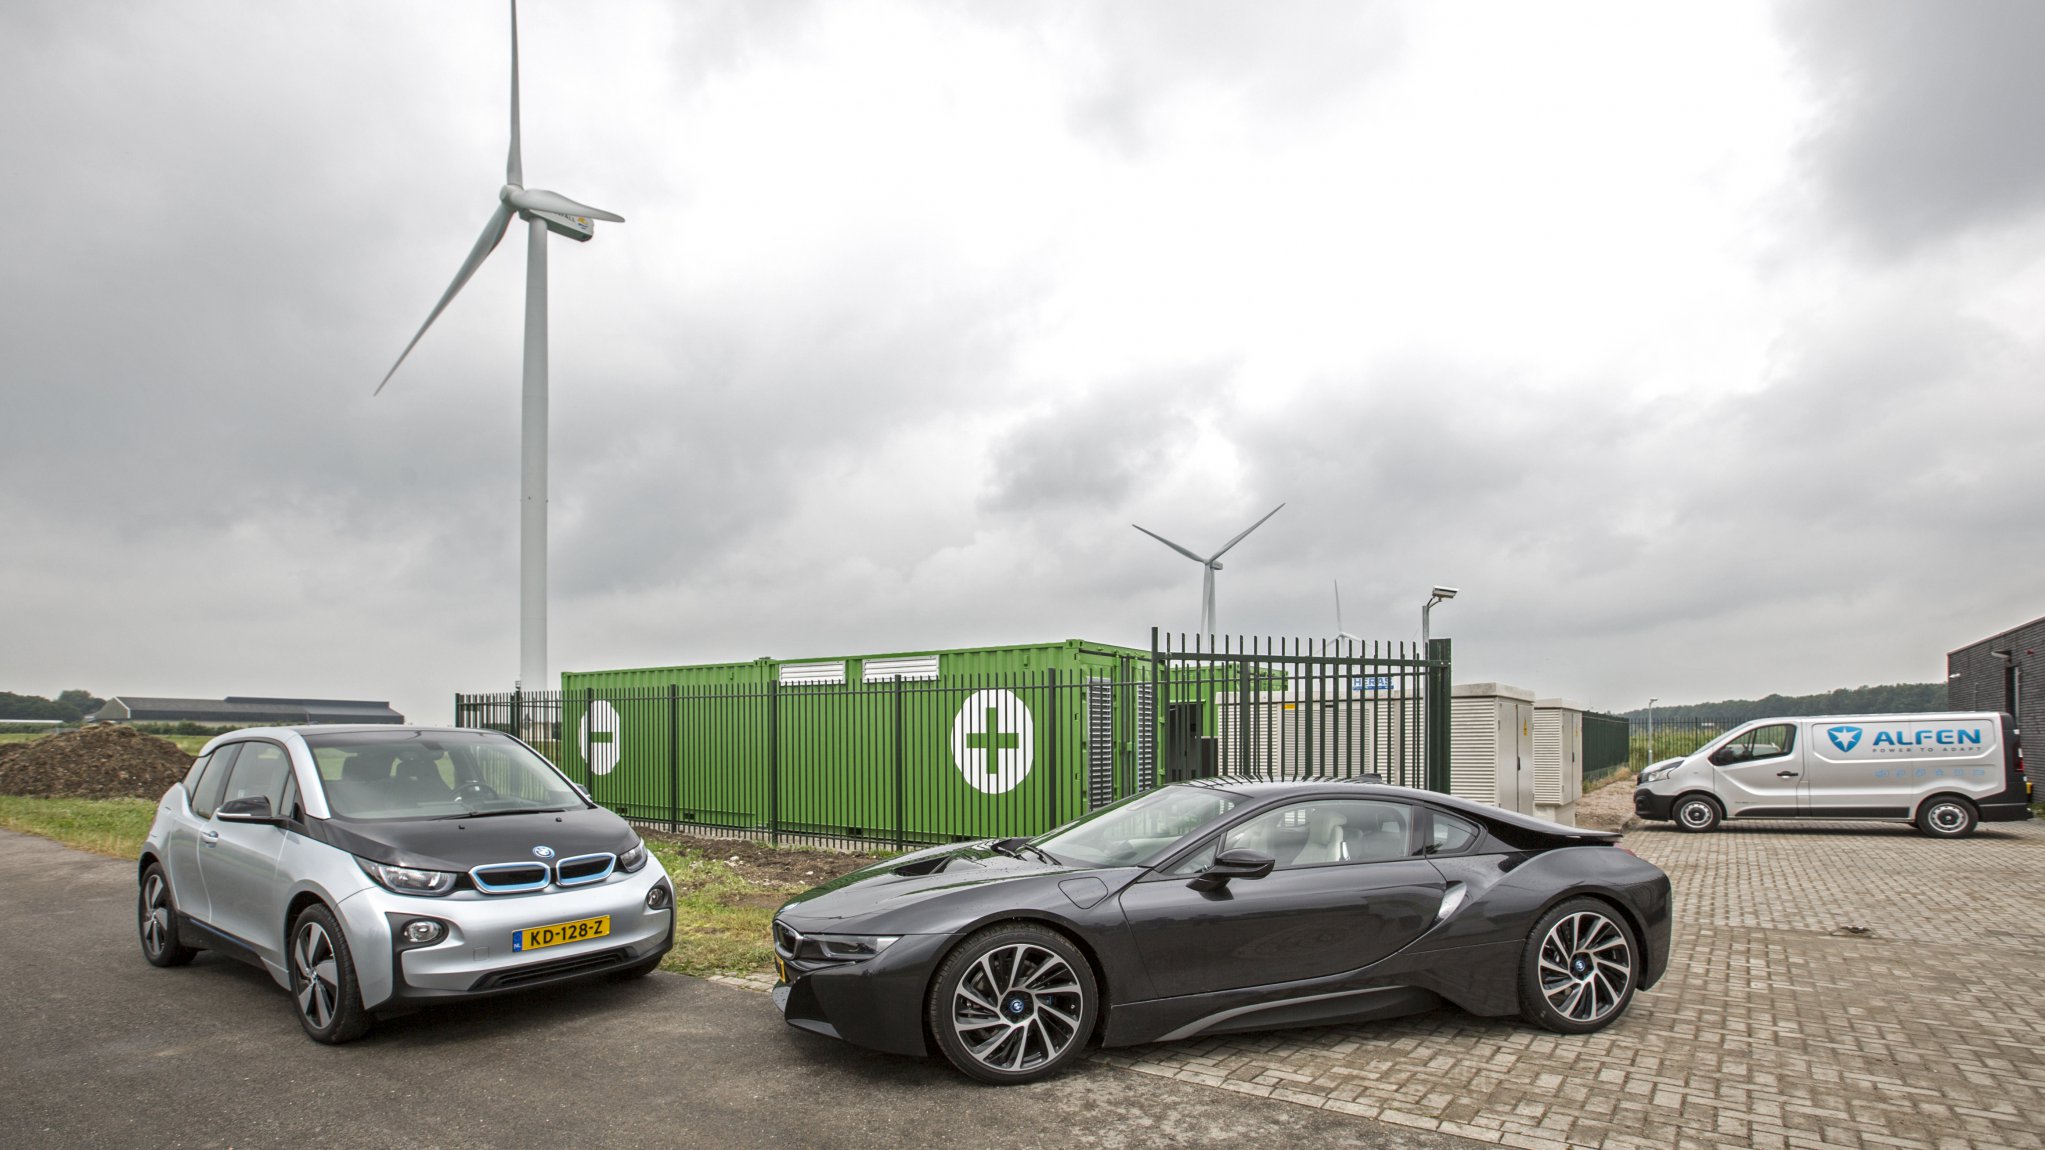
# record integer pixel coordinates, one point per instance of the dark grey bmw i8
(1222, 905)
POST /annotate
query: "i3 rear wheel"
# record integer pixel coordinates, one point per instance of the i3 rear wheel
(1696, 814)
(1013, 1004)
(156, 921)
(1579, 969)
(1947, 817)
(323, 986)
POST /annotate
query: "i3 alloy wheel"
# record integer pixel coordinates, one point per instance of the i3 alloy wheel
(156, 921)
(1013, 1004)
(1578, 972)
(1696, 813)
(1946, 817)
(323, 985)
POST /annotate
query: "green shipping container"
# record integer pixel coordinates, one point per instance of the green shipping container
(923, 746)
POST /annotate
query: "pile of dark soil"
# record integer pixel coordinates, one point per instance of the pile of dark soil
(97, 762)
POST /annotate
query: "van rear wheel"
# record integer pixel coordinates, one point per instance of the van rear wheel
(1947, 817)
(1696, 813)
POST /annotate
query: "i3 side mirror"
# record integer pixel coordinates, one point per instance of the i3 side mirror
(248, 809)
(1230, 864)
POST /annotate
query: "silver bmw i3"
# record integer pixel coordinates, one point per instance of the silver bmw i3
(371, 870)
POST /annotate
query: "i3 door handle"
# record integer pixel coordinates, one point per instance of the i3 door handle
(1785, 774)
(210, 837)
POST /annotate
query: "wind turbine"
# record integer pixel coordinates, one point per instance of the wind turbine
(1340, 632)
(1209, 566)
(543, 212)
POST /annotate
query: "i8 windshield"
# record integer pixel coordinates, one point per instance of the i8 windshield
(1138, 827)
(434, 774)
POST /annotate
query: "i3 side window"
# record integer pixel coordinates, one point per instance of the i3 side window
(374, 869)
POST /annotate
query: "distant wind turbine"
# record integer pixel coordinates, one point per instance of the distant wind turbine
(1209, 566)
(543, 212)
(1340, 632)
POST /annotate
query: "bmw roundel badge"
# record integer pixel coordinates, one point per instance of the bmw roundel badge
(543, 852)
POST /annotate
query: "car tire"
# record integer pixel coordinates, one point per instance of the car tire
(324, 991)
(156, 920)
(1947, 817)
(1580, 967)
(1013, 1004)
(1696, 814)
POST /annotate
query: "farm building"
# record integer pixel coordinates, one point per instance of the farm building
(243, 711)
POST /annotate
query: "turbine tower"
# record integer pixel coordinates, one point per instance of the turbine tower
(543, 212)
(1209, 566)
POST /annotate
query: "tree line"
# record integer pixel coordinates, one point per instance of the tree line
(1892, 698)
(68, 706)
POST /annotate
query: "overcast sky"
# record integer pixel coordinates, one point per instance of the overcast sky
(1699, 345)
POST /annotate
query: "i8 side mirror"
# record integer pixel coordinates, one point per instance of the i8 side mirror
(248, 809)
(1232, 864)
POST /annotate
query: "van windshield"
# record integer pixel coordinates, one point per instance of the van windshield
(435, 774)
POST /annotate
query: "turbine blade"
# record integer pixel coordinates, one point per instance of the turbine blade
(1338, 608)
(514, 164)
(1246, 532)
(541, 200)
(1170, 544)
(485, 244)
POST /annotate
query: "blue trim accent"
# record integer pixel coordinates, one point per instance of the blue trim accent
(487, 887)
(610, 868)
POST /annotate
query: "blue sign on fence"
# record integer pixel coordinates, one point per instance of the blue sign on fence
(1370, 682)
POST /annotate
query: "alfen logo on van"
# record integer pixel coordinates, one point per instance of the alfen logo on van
(1845, 738)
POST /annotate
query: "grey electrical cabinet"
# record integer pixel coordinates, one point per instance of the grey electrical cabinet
(1558, 758)
(1491, 745)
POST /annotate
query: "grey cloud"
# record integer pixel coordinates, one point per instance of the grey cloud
(1930, 114)
(1088, 454)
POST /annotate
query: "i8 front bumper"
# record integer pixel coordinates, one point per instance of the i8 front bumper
(476, 956)
(877, 1003)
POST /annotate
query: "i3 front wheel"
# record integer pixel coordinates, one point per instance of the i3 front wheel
(323, 986)
(156, 921)
(1013, 1004)
(1579, 969)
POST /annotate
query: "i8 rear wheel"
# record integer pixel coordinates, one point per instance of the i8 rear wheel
(1579, 968)
(1013, 1004)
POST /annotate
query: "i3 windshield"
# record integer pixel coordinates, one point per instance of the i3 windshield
(435, 774)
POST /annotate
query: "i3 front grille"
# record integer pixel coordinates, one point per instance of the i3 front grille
(510, 878)
(583, 869)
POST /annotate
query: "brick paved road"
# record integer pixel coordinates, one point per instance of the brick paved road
(1776, 1026)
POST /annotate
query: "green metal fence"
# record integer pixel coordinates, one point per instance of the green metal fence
(962, 756)
(1607, 748)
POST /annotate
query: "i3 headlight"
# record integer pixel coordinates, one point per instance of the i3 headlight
(408, 880)
(633, 859)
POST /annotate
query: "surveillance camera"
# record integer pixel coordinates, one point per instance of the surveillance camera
(1444, 592)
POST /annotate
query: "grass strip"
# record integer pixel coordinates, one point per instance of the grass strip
(111, 827)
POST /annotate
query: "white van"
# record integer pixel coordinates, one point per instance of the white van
(1944, 772)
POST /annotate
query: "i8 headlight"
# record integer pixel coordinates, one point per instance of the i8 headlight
(851, 947)
(408, 880)
(633, 859)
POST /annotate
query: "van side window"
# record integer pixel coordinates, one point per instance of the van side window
(1759, 743)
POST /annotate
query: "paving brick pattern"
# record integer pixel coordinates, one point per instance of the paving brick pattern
(1832, 985)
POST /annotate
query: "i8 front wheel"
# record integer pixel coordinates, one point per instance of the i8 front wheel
(1013, 1004)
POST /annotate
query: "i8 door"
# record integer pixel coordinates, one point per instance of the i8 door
(1343, 894)
(1760, 772)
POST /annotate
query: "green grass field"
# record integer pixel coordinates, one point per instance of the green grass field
(720, 927)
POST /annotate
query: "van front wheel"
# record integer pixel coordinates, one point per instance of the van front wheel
(1947, 817)
(1696, 813)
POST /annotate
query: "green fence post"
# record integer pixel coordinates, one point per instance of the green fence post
(674, 757)
(1437, 726)
(774, 761)
(901, 833)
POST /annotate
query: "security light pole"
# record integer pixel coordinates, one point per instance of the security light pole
(1438, 595)
(1650, 729)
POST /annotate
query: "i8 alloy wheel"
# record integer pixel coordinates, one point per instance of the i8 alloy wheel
(1013, 1004)
(156, 921)
(323, 979)
(1579, 968)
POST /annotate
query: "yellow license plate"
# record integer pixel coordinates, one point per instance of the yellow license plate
(535, 937)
